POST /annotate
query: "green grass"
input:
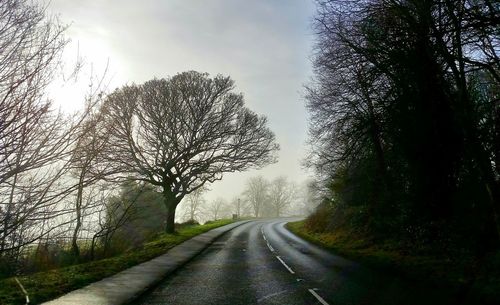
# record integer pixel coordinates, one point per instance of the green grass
(43, 286)
(386, 255)
(446, 273)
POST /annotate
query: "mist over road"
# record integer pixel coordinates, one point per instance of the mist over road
(261, 262)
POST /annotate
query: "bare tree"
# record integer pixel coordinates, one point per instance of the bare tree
(30, 46)
(182, 132)
(37, 144)
(86, 160)
(216, 208)
(256, 194)
(281, 194)
(33, 138)
(193, 204)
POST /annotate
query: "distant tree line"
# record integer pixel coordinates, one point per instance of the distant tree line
(270, 198)
(260, 197)
(137, 214)
(405, 120)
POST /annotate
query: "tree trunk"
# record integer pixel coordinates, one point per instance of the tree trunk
(92, 247)
(170, 202)
(278, 211)
(75, 250)
(94, 243)
(170, 225)
(191, 212)
(107, 243)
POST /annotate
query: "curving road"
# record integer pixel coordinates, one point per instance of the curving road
(261, 262)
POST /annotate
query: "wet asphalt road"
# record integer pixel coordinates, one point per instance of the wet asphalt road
(261, 262)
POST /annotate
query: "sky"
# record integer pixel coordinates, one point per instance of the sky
(264, 45)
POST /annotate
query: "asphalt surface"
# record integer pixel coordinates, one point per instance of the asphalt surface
(261, 262)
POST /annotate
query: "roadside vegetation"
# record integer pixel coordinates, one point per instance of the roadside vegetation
(46, 285)
(440, 272)
(404, 138)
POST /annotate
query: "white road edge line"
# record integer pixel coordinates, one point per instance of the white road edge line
(286, 266)
(23, 290)
(263, 235)
(318, 297)
(270, 247)
(271, 295)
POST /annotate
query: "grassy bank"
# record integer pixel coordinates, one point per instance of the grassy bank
(44, 286)
(448, 273)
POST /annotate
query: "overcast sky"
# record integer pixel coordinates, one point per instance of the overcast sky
(264, 45)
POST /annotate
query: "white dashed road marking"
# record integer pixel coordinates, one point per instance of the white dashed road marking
(270, 247)
(286, 266)
(318, 297)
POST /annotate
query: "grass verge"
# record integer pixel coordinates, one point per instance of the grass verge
(43, 286)
(447, 273)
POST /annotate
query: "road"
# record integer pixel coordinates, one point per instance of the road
(261, 262)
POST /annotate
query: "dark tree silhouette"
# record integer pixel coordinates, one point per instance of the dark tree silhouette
(404, 117)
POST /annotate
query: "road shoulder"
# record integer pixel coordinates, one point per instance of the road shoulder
(126, 285)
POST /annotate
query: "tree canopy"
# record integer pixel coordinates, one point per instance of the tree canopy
(182, 132)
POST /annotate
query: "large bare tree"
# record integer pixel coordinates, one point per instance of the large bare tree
(182, 132)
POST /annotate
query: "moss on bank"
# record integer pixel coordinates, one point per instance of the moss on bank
(447, 273)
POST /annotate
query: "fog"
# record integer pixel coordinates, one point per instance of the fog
(263, 45)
